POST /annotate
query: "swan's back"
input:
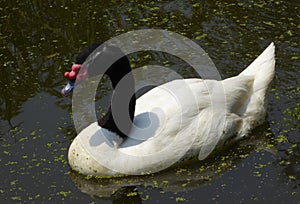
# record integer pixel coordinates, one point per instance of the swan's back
(242, 108)
(244, 96)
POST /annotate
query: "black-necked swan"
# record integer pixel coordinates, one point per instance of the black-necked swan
(181, 128)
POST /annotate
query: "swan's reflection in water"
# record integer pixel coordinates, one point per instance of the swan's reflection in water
(127, 194)
(186, 176)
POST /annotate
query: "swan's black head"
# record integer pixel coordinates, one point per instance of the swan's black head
(116, 71)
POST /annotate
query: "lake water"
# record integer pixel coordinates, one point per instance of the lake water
(39, 40)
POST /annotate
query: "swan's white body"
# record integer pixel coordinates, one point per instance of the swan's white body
(189, 117)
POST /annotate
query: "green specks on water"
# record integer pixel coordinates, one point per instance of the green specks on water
(14, 182)
(16, 198)
(243, 156)
(202, 168)
(87, 177)
(180, 199)
(155, 8)
(133, 193)
(290, 33)
(25, 138)
(155, 184)
(165, 182)
(259, 166)
(292, 177)
(196, 5)
(281, 138)
(257, 174)
(181, 170)
(6, 152)
(60, 158)
(147, 197)
(11, 163)
(199, 37)
(64, 193)
(294, 115)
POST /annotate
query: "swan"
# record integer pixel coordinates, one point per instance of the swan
(165, 131)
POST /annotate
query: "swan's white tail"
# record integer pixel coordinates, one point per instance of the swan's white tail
(254, 109)
(262, 68)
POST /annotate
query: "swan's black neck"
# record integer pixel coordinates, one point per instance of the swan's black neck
(123, 110)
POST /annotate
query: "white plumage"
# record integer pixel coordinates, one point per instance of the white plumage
(180, 119)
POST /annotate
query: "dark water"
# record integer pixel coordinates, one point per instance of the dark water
(39, 40)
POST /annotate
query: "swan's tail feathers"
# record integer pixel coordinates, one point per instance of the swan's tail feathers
(253, 110)
(262, 68)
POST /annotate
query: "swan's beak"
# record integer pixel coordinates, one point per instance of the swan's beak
(68, 88)
(72, 76)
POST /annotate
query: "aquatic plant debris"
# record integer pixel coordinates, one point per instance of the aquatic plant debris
(39, 40)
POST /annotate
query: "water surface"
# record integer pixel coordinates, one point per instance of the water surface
(39, 40)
